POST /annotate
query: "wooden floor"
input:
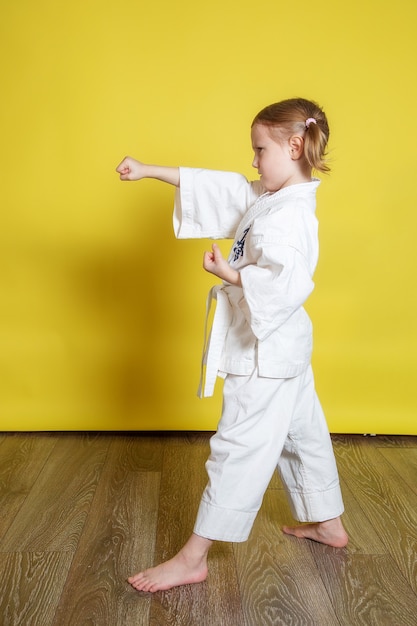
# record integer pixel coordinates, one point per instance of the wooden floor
(79, 512)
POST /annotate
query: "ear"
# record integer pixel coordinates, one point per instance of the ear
(296, 145)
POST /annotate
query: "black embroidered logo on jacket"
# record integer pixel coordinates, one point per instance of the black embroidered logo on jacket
(240, 244)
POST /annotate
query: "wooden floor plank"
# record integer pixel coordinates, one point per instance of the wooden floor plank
(184, 478)
(182, 482)
(378, 441)
(361, 531)
(143, 452)
(404, 461)
(53, 514)
(389, 504)
(278, 577)
(188, 438)
(120, 534)
(224, 602)
(22, 457)
(366, 590)
(395, 441)
(31, 586)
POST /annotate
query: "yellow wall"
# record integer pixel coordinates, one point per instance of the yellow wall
(102, 310)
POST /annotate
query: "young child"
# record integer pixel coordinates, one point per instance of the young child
(261, 338)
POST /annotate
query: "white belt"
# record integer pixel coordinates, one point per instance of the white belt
(212, 350)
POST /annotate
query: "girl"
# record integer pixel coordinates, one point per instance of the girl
(261, 339)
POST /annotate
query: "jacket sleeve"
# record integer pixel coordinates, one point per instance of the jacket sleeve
(211, 203)
(275, 287)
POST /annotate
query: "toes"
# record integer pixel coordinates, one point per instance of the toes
(138, 581)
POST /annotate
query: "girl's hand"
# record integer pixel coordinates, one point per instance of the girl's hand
(216, 264)
(131, 169)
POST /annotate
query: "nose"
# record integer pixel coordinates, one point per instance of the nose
(255, 161)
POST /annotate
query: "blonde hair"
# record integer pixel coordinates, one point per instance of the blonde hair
(298, 116)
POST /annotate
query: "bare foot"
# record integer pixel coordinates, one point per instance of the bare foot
(330, 532)
(187, 567)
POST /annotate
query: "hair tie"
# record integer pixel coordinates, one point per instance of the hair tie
(310, 120)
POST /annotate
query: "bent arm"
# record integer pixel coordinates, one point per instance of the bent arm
(131, 169)
(214, 263)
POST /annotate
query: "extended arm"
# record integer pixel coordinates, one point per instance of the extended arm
(131, 169)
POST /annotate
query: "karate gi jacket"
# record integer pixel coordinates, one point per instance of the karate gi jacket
(263, 323)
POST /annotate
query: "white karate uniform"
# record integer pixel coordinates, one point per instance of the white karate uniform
(261, 342)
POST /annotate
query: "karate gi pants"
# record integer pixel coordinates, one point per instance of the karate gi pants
(268, 423)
